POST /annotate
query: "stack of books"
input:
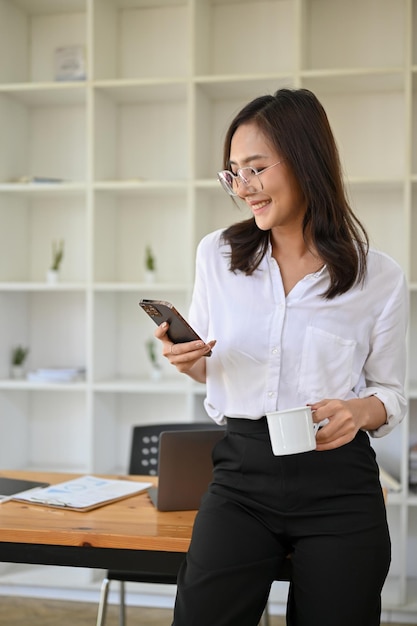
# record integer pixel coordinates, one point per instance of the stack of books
(57, 375)
(413, 468)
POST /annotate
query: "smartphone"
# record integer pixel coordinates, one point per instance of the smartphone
(179, 329)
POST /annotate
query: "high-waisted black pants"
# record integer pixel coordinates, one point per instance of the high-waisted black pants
(326, 508)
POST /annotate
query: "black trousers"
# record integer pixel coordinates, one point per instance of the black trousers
(326, 508)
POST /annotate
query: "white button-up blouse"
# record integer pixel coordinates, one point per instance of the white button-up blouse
(275, 351)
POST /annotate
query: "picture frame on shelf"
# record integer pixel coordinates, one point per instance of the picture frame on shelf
(70, 64)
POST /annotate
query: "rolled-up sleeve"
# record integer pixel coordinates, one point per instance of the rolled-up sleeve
(385, 368)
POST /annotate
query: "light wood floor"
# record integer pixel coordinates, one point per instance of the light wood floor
(24, 611)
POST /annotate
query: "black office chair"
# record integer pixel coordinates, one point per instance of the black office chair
(144, 460)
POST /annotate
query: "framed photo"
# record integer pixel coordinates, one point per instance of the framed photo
(70, 63)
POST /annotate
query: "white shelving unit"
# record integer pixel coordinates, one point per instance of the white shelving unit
(137, 145)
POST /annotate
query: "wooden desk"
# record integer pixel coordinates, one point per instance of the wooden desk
(123, 535)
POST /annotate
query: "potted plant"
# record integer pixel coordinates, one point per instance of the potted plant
(57, 256)
(156, 370)
(19, 354)
(150, 265)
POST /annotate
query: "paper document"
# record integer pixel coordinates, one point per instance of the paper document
(83, 494)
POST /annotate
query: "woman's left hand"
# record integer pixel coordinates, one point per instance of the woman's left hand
(344, 421)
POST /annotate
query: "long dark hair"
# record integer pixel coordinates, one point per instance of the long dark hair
(296, 124)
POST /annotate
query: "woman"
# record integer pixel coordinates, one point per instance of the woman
(302, 312)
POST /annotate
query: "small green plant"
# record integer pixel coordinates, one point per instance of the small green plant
(150, 262)
(150, 348)
(19, 355)
(57, 254)
(156, 369)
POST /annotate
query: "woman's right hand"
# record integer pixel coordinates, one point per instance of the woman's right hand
(186, 357)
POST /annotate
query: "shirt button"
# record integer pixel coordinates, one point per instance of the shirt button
(275, 350)
(271, 394)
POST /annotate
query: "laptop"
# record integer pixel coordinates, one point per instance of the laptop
(185, 468)
(10, 487)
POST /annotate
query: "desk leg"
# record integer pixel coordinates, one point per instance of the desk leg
(122, 608)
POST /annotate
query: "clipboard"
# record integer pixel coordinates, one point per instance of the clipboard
(82, 494)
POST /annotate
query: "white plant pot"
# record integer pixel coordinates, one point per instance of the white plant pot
(52, 277)
(156, 373)
(150, 276)
(17, 372)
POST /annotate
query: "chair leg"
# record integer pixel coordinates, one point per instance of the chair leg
(265, 617)
(102, 607)
(122, 606)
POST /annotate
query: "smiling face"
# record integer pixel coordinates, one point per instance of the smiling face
(274, 197)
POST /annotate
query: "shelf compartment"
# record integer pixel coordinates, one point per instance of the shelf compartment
(370, 131)
(338, 34)
(128, 36)
(47, 141)
(30, 32)
(125, 224)
(214, 210)
(116, 414)
(198, 411)
(389, 452)
(216, 104)
(131, 136)
(121, 330)
(392, 599)
(381, 210)
(222, 48)
(44, 430)
(31, 222)
(52, 325)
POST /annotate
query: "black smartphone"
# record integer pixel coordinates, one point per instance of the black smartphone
(179, 329)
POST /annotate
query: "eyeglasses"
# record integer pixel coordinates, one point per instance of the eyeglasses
(245, 175)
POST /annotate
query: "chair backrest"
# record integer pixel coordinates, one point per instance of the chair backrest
(145, 444)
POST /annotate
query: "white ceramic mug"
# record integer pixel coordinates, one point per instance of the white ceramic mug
(292, 431)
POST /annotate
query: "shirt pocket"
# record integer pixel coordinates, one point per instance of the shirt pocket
(326, 369)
